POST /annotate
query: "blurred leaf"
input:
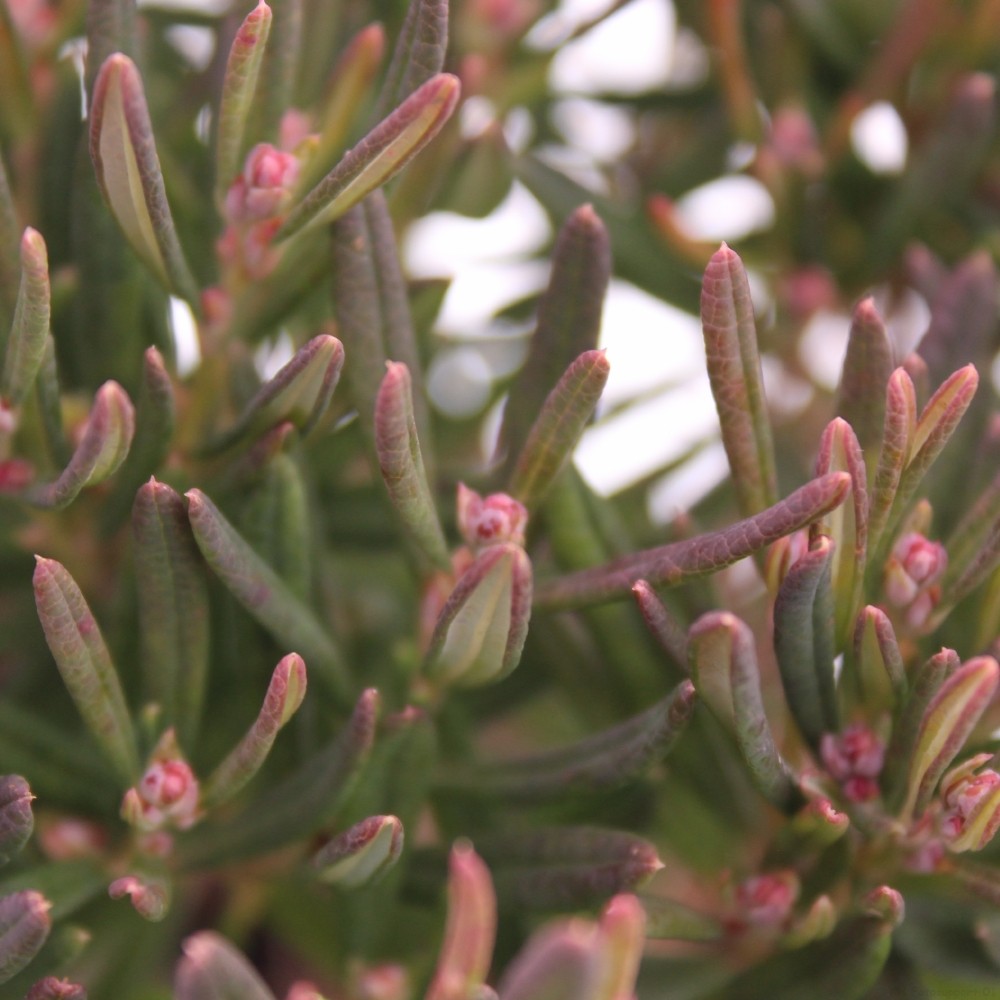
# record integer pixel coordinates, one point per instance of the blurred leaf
(361, 854)
(25, 346)
(16, 818)
(10, 258)
(24, 925)
(418, 55)
(212, 969)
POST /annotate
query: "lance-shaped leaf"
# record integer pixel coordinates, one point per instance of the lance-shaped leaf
(563, 961)
(212, 969)
(568, 325)
(727, 677)
(737, 385)
(852, 957)
(975, 534)
(105, 442)
(482, 627)
(50, 407)
(150, 897)
(470, 932)
(679, 562)
(666, 630)
(85, 665)
(379, 156)
(16, 818)
(173, 606)
(558, 427)
(596, 764)
(299, 393)
(865, 375)
(30, 330)
(897, 439)
(361, 854)
(346, 91)
(402, 466)
(847, 525)
(24, 925)
(803, 642)
(262, 592)
(419, 52)
(622, 930)
(282, 701)
(298, 805)
(238, 87)
(566, 867)
(874, 671)
(666, 919)
(946, 724)
(128, 171)
(10, 263)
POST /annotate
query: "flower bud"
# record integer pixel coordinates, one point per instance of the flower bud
(167, 794)
(490, 520)
(364, 852)
(765, 901)
(51, 988)
(16, 818)
(971, 805)
(262, 190)
(911, 575)
(855, 758)
(69, 837)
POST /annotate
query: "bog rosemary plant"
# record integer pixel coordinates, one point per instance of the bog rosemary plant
(315, 695)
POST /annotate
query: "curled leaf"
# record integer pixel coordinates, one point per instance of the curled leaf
(30, 330)
(150, 897)
(361, 854)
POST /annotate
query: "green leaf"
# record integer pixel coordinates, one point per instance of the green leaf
(111, 28)
(361, 854)
(419, 53)
(212, 969)
(568, 325)
(402, 466)
(679, 562)
(85, 665)
(379, 156)
(283, 699)
(874, 671)
(263, 593)
(668, 920)
(666, 630)
(30, 331)
(10, 258)
(102, 449)
(173, 607)
(238, 88)
(558, 427)
(803, 642)
(599, 763)
(727, 678)
(128, 170)
(24, 925)
(16, 818)
(734, 372)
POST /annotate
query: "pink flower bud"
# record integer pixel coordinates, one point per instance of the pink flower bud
(766, 901)
(382, 982)
(855, 758)
(490, 520)
(167, 794)
(69, 838)
(972, 805)
(913, 569)
(150, 899)
(262, 190)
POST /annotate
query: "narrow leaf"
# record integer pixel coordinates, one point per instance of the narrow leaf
(874, 671)
(666, 919)
(30, 330)
(238, 87)
(727, 677)
(379, 156)
(803, 642)
(262, 592)
(10, 262)
(562, 961)
(103, 446)
(212, 969)
(419, 53)
(661, 623)
(361, 854)
(401, 463)
(173, 607)
(24, 925)
(282, 701)
(596, 764)
(85, 664)
(558, 427)
(734, 372)
(16, 818)
(679, 562)
(128, 170)
(971, 536)
(568, 325)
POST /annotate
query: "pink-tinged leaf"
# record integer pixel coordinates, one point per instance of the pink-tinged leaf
(173, 607)
(402, 466)
(558, 427)
(665, 628)
(128, 171)
(282, 701)
(865, 375)
(418, 55)
(470, 932)
(734, 372)
(85, 664)
(727, 677)
(623, 932)
(946, 724)
(30, 329)
(563, 961)
(846, 525)
(674, 564)
(874, 673)
(10, 258)
(379, 156)
(975, 533)
(105, 442)
(568, 324)
(24, 925)
(897, 438)
(263, 593)
(150, 897)
(362, 854)
(16, 818)
(212, 969)
(238, 88)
